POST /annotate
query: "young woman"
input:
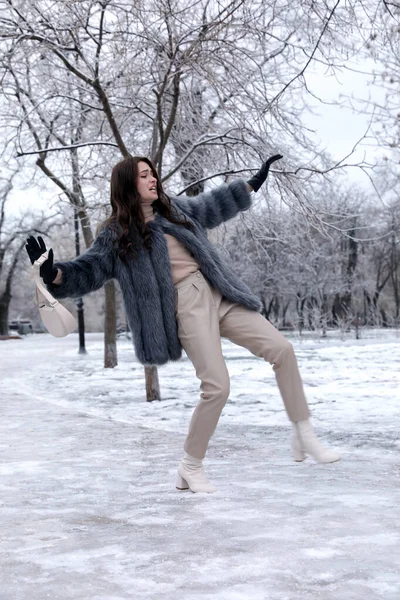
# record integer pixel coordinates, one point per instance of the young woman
(178, 294)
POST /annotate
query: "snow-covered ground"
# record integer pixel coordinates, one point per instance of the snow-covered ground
(88, 507)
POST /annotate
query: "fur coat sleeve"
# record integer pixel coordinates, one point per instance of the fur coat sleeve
(210, 209)
(89, 271)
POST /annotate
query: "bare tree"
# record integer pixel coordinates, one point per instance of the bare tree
(192, 85)
(42, 130)
(319, 276)
(13, 233)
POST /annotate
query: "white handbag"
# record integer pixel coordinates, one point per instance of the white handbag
(55, 317)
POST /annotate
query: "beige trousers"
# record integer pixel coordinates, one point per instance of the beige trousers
(204, 317)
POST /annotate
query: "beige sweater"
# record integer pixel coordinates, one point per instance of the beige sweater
(182, 262)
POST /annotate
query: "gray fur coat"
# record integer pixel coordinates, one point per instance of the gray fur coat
(146, 281)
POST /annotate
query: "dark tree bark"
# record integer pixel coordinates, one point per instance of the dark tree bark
(110, 328)
(5, 297)
(4, 308)
(152, 384)
(342, 305)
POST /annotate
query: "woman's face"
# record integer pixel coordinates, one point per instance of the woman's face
(146, 183)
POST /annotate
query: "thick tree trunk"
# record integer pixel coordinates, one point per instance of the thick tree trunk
(324, 314)
(110, 311)
(4, 306)
(357, 326)
(110, 335)
(341, 307)
(276, 310)
(192, 170)
(284, 311)
(300, 302)
(152, 384)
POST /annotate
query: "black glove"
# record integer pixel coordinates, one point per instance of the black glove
(35, 249)
(258, 179)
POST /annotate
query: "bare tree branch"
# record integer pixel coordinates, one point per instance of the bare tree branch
(69, 147)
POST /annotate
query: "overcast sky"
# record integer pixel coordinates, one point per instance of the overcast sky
(338, 128)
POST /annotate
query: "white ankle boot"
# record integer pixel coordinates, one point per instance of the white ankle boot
(304, 441)
(191, 476)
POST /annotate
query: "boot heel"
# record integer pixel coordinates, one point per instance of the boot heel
(297, 452)
(304, 439)
(298, 455)
(181, 484)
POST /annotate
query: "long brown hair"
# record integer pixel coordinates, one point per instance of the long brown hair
(125, 203)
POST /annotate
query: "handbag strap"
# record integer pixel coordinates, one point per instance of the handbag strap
(42, 294)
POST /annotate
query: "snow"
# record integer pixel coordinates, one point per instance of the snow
(88, 506)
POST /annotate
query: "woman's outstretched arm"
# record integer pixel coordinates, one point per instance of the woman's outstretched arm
(86, 273)
(210, 209)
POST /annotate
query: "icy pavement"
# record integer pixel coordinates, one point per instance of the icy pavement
(88, 508)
